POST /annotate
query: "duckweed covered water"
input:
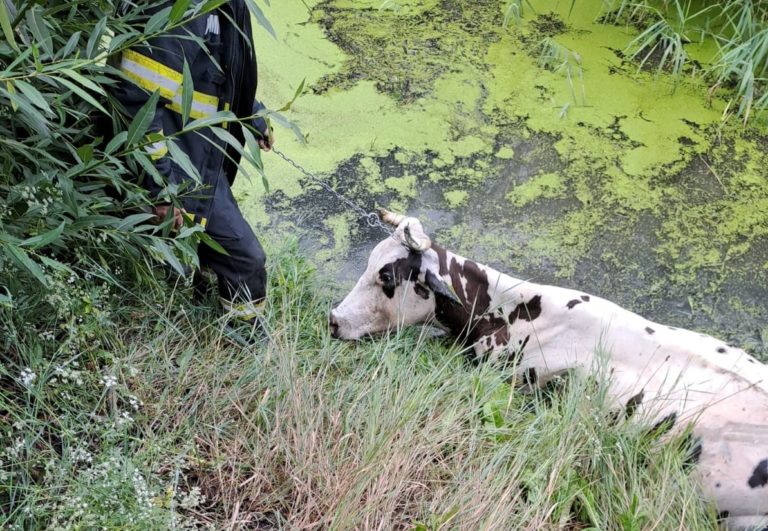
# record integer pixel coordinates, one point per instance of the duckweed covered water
(539, 149)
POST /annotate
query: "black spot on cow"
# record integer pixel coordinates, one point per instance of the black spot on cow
(530, 377)
(402, 269)
(721, 350)
(718, 485)
(633, 403)
(573, 303)
(722, 515)
(692, 448)
(667, 358)
(527, 311)
(759, 475)
(421, 291)
(522, 343)
(502, 334)
(663, 426)
(750, 360)
(467, 321)
(650, 330)
(388, 280)
(585, 298)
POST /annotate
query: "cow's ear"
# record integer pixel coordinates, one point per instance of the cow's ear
(441, 287)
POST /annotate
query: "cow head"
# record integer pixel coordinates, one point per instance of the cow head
(398, 286)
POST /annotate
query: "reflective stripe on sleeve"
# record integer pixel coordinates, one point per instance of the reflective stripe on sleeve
(196, 219)
(151, 75)
(157, 150)
(242, 310)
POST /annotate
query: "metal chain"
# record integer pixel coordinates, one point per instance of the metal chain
(372, 218)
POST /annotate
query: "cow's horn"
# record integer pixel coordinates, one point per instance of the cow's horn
(390, 217)
(419, 243)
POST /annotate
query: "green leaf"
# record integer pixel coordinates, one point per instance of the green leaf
(85, 152)
(182, 159)
(210, 5)
(285, 122)
(119, 40)
(135, 219)
(260, 18)
(170, 258)
(73, 41)
(41, 240)
(157, 21)
(33, 95)
(29, 114)
(118, 140)
(5, 24)
(21, 257)
(84, 81)
(227, 137)
(187, 91)
(143, 119)
(36, 24)
(11, 94)
(55, 264)
(213, 244)
(214, 119)
(299, 90)
(20, 58)
(6, 299)
(142, 158)
(81, 92)
(252, 154)
(95, 38)
(177, 11)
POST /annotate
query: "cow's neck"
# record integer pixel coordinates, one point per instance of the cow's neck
(486, 297)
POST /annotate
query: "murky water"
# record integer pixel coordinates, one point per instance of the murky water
(538, 149)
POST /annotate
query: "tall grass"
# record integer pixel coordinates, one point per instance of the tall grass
(739, 71)
(305, 431)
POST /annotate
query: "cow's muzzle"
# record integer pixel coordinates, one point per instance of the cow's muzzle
(333, 324)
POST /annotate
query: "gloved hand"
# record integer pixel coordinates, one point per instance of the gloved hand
(261, 124)
(161, 212)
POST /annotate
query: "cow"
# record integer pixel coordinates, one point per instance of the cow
(677, 379)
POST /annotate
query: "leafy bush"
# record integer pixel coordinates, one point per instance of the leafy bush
(66, 191)
(77, 248)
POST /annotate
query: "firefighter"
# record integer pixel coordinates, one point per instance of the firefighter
(224, 77)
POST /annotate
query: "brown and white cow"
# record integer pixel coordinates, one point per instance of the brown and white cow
(669, 376)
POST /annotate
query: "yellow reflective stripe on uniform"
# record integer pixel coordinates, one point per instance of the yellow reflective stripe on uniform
(151, 75)
(168, 73)
(226, 108)
(200, 221)
(157, 150)
(243, 310)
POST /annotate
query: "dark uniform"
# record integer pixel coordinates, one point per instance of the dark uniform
(224, 78)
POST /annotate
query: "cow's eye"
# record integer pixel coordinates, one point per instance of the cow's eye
(386, 277)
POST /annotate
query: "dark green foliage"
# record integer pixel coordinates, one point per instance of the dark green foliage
(77, 243)
(740, 28)
(66, 155)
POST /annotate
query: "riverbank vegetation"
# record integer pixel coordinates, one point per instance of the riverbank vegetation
(736, 71)
(159, 419)
(124, 405)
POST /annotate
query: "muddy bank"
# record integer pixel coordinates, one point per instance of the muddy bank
(538, 149)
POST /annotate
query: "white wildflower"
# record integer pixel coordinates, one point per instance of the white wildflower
(192, 499)
(124, 418)
(15, 450)
(109, 381)
(135, 402)
(81, 455)
(27, 377)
